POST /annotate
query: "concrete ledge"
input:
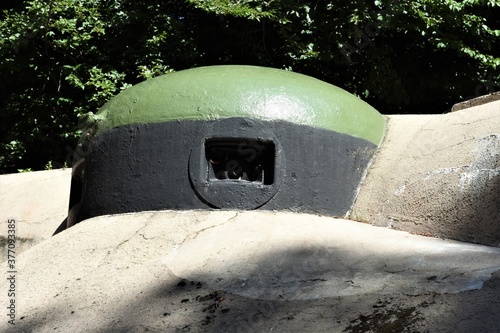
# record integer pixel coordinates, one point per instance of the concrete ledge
(476, 101)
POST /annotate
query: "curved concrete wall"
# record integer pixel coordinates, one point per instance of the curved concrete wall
(438, 175)
(225, 137)
(149, 167)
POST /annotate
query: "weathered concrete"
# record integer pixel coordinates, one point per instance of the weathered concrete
(477, 101)
(438, 175)
(37, 202)
(231, 271)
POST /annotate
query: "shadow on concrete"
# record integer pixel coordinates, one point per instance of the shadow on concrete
(61, 227)
(483, 208)
(196, 305)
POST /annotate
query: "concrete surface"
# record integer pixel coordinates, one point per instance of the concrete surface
(37, 201)
(437, 175)
(495, 96)
(227, 271)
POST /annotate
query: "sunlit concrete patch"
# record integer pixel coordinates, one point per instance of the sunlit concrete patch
(37, 202)
(437, 175)
(298, 256)
(485, 166)
(154, 269)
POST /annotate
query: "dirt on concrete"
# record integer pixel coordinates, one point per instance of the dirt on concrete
(116, 274)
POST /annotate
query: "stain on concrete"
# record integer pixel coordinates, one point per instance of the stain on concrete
(115, 266)
(485, 168)
(389, 318)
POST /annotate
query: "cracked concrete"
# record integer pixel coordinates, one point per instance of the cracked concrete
(254, 237)
(195, 234)
(227, 271)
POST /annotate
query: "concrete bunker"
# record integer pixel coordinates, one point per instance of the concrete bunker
(224, 137)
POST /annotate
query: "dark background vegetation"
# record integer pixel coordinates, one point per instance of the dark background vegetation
(60, 59)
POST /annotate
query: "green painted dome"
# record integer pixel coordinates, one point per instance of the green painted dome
(218, 92)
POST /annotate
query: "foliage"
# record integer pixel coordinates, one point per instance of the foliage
(60, 59)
